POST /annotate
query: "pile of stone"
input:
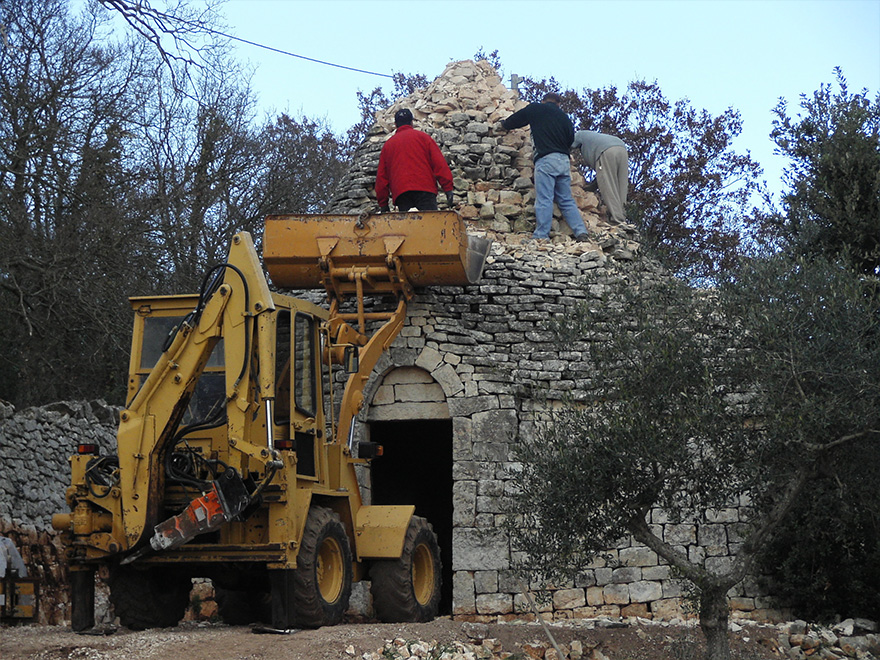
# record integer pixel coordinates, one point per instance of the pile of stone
(851, 638)
(492, 171)
(486, 649)
(35, 447)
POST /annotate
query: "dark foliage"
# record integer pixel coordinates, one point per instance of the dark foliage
(752, 392)
(832, 207)
(115, 181)
(824, 562)
(690, 192)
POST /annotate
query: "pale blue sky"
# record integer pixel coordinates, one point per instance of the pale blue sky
(743, 54)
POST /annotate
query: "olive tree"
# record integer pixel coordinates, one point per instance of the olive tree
(832, 203)
(702, 400)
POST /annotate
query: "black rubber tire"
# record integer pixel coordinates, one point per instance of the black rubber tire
(153, 598)
(239, 608)
(408, 589)
(321, 581)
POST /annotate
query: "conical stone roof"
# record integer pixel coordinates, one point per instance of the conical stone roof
(493, 173)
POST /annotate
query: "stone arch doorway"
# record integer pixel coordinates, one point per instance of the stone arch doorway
(409, 417)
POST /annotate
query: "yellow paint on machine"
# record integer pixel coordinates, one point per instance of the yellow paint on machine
(381, 530)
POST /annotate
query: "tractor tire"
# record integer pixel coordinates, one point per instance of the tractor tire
(316, 592)
(152, 598)
(239, 608)
(407, 589)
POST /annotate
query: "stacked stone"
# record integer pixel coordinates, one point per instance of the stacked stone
(475, 354)
(492, 173)
(35, 445)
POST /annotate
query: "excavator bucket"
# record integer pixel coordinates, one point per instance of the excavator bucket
(388, 251)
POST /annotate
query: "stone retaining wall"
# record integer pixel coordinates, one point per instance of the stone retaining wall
(35, 445)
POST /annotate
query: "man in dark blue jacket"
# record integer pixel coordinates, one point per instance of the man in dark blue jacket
(552, 135)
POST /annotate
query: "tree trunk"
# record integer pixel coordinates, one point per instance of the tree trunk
(713, 621)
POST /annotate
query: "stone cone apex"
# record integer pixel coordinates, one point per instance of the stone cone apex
(493, 173)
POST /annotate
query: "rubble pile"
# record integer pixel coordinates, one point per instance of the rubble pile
(492, 172)
(798, 640)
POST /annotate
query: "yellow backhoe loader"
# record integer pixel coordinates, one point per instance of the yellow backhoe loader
(236, 458)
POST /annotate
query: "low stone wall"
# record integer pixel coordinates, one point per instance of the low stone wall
(35, 445)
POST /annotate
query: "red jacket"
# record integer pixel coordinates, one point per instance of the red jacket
(410, 160)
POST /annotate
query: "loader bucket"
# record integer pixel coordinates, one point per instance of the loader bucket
(432, 246)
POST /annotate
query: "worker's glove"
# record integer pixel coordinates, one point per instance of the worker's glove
(449, 201)
(383, 209)
(499, 127)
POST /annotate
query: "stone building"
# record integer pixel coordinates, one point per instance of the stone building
(451, 394)
(450, 399)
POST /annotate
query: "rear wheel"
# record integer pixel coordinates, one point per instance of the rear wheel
(152, 598)
(317, 591)
(408, 588)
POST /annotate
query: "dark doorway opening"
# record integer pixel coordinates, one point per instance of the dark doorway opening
(416, 468)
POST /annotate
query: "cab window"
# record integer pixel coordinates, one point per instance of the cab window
(305, 377)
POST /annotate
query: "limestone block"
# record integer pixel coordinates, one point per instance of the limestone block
(494, 603)
(712, 535)
(479, 549)
(742, 604)
(464, 502)
(661, 572)
(626, 574)
(470, 405)
(522, 604)
(419, 392)
(635, 610)
(672, 588)
(645, 591)
(728, 515)
(666, 608)
(603, 576)
(429, 359)
(616, 594)
(680, 534)
(409, 411)
(447, 378)
(497, 427)
(486, 582)
(462, 442)
(567, 599)
(638, 556)
(463, 596)
(719, 564)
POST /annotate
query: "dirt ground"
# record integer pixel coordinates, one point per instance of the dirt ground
(213, 641)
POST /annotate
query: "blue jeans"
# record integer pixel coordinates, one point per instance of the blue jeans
(553, 182)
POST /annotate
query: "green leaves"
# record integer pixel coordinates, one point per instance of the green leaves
(832, 207)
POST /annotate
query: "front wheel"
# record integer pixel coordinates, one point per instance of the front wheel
(408, 588)
(317, 591)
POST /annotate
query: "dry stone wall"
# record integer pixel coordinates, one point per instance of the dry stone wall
(478, 352)
(35, 445)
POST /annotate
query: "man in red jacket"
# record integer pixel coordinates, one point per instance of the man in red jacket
(410, 166)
